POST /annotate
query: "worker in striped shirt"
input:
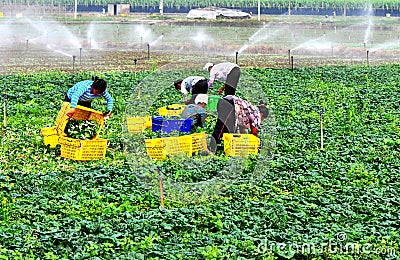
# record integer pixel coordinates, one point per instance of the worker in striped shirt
(83, 92)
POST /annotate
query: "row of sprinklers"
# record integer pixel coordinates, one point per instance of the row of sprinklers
(80, 55)
(92, 44)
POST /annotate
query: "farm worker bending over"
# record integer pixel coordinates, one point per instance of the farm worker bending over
(191, 85)
(227, 72)
(196, 111)
(236, 114)
(83, 92)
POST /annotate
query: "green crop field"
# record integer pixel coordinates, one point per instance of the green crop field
(341, 202)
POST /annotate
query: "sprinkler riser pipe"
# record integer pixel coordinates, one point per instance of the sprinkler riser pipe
(236, 59)
(292, 62)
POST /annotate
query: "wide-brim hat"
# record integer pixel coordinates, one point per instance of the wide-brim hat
(208, 64)
(201, 98)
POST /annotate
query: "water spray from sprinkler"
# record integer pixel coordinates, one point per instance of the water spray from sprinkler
(80, 56)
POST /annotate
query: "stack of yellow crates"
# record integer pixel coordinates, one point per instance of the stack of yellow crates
(76, 149)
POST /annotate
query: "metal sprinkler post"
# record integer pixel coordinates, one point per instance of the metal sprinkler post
(289, 56)
(27, 44)
(321, 117)
(292, 62)
(161, 187)
(135, 61)
(236, 59)
(367, 58)
(4, 109)
(148, 51)
(73, 63)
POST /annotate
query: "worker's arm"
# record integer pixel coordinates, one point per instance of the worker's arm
(221, 89)
(254, 130)
(110, 101)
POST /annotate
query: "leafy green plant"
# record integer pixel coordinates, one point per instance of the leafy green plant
(81, 129)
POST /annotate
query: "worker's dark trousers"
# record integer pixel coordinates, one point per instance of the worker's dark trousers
(232, 79)
(201, 87)
(225, 122)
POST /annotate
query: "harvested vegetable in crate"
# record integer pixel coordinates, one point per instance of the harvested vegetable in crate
(81, 129)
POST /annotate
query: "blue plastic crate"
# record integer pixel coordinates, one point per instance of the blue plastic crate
(171, 124)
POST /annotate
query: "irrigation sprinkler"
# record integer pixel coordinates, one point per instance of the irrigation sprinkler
(321, 117)
(4, 110)
(236, 57)
(148, 51)
(161, 187)
(80, 56)
(289, 56)
(73, 63)
(291, 62)
(135, 62)
(367, 57)
(27, 44)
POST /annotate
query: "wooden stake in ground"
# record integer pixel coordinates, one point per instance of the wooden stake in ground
(161, 187)
(321, 115)
(4, 109)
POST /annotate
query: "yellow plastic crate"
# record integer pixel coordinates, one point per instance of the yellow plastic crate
(171, 110)
(160, 148)
(138, 124)
(83, 150)
(199, 142)
(50, 136)
(240, 145)
(81, 113)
